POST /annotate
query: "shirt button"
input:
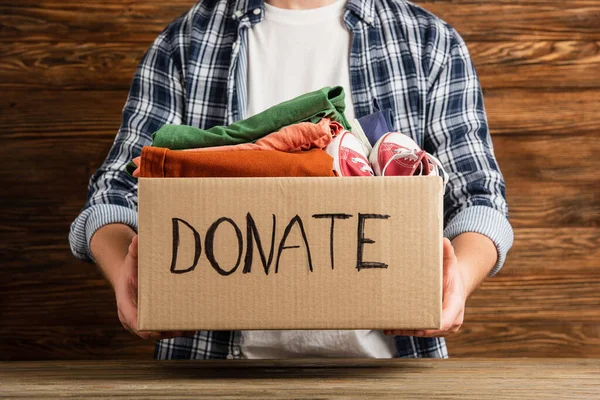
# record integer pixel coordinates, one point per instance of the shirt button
(229, 357)
(256, 11)
(235, 45)
(369, 20)
(239, 13)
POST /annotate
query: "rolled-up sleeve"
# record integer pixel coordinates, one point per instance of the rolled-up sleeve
(457, 134)
(155, 98)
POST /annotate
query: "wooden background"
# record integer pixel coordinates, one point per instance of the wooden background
(65, 69)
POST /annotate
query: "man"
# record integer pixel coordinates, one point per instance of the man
(226, 60)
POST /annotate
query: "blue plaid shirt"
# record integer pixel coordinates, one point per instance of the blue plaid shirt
(402, 56)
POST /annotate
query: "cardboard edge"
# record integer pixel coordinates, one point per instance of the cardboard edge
(441, 189)
(141, 320)
(139, 308)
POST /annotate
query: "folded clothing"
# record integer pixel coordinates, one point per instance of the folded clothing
(310, 107)
(297, 137)
(157, 162)
(376, 125)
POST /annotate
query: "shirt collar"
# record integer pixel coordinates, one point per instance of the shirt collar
(255, 10)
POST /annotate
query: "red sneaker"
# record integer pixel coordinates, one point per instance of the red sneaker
(349, 158)
(396, 154)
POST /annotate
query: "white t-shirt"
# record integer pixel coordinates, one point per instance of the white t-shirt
(292, 52)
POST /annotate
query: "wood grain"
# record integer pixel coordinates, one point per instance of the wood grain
(100, 66)
(531, 339)
(537, 64)
(521, 20)
(68, 20)
(111, 65)
(542, 251)
(567, 297)
(98, 21)
(527, 112)
(318, 379)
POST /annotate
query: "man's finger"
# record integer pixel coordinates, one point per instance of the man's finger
(127, 310)
(123, 321)
(144, 335)
(133, 248)
(449, 256)
(455, 329)
(451, 311)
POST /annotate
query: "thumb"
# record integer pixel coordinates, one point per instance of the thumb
(133, 248)
(132, 261)
(449, 256)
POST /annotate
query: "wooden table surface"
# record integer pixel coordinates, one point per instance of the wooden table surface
(314, 379)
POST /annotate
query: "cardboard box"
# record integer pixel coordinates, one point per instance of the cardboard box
(346, 253)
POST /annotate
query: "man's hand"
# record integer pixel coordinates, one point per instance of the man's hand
(455, 295)
(126, 290)
(115, 248)
(467, 261)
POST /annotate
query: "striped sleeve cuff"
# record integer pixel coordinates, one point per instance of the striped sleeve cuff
(93, 218)
(486, 221)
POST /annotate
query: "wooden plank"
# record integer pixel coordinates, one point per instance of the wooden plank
(527, 112)
(541, 251)
(522, 20)
(111, 65)
(544, 158)
(66, 20)
(553, 65)
(94, 340)
(551, 204)
(97, 113)
(63, 65)
(89, 113)
(550, 180)
(301, 379)
(98, 21)
(565, 297)
(500, 339)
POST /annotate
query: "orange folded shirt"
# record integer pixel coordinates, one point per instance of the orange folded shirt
(297, 137)
(158, 162)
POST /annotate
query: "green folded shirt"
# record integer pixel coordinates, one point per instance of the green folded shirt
(326, 102)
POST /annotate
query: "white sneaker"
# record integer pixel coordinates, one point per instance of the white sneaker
(396, 154)
(349, 158)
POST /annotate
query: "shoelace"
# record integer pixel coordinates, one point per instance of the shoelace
(432, 159)
(402, 154)
(414, 155)
(365, 167)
